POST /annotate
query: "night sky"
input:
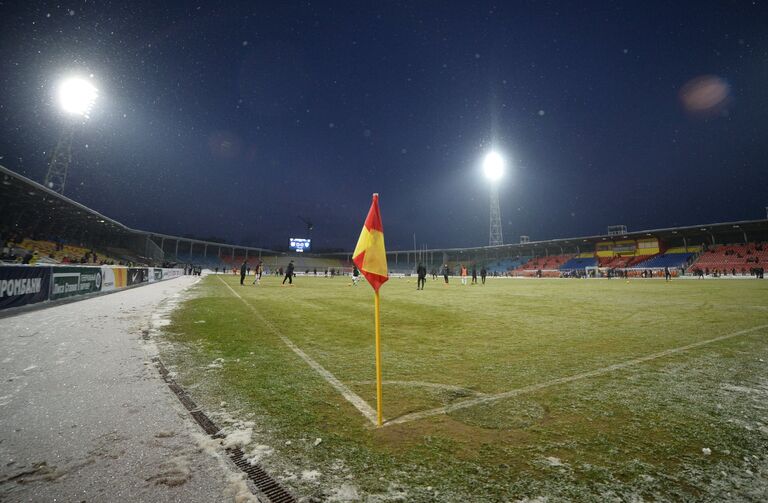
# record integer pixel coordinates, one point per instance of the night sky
(233, 119)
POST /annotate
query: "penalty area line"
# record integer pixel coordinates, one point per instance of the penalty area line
(415, 416)
(352, 397)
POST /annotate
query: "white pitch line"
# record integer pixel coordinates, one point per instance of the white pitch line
(562, 380)
(423, 384)
(360, 404)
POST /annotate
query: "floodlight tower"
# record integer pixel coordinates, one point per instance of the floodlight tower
(493, 168)
(75, 97)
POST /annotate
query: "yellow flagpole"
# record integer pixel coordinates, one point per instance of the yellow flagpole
(378, 361)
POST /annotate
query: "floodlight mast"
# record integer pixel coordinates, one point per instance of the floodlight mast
(493, 168)
(75, 97)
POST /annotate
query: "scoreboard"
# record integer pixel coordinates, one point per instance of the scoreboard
(299, 245)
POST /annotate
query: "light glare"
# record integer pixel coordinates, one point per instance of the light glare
(493, 166)
(76, 96)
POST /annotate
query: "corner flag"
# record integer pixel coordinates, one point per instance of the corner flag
(369, 255)
(371, 258)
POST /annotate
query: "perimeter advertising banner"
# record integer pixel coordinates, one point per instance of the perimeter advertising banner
(137, 276)
(71, 281)
(113, 278)
(172, 273)
(155, 274)
(20, 286)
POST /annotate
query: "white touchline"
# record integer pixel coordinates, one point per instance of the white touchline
(535, 387)
(360, 404)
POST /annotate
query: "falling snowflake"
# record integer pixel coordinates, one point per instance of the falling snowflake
(541, 113)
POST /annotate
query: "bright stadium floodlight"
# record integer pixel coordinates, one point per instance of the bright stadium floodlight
(76, 96)
(493, 166)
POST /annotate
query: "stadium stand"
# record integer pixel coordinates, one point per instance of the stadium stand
(35, 219)
(622, 262)
(730, 259)
(553, 262)
(671, 260)
(578, 263)
(506, 265)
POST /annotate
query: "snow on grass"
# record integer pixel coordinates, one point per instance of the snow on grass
(345, 492)
(310, 475)
(553, 461)
(636, 433)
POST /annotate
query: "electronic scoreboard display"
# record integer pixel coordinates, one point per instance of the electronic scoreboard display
(299, 244)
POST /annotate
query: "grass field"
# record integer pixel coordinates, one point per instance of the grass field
(514, 380)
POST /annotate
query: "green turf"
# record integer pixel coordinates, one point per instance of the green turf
(637, 432)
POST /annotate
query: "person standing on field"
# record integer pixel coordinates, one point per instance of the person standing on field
(667, 274)
(483, 274)
(421, 272)
(257, 273)
(243, 269)
(463, 274)
(289, 273)
(445, 274)
(474, 274)
(355, 274)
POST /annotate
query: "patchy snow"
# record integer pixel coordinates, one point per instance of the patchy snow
(216, 364)
(345, 492)
(310, 475)
(553, 461)
(238, 489)
(259, 452)
(317, 441)
(706, 451)
(238, 438)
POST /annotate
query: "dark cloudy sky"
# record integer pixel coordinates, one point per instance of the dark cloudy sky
(235, 118)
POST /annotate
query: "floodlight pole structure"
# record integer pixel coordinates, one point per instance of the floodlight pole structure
(493, 168)
(56, 177)
(75, 96)
(496, 239)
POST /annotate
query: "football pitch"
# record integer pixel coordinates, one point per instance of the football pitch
(584, 390)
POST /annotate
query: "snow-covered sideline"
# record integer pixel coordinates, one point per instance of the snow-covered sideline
(84, 415)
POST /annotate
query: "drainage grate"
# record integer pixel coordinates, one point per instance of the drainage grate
(266, 485)
(264, 482)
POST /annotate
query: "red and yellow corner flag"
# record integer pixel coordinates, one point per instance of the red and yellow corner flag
(371, 258)
(369, 255)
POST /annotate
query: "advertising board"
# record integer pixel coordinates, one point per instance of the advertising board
(71, 281)
(20, 286)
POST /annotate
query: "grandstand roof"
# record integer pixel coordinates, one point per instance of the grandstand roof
(32, 201)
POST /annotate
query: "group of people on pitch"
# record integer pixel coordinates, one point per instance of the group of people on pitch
(421, 272)
(259, 269)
